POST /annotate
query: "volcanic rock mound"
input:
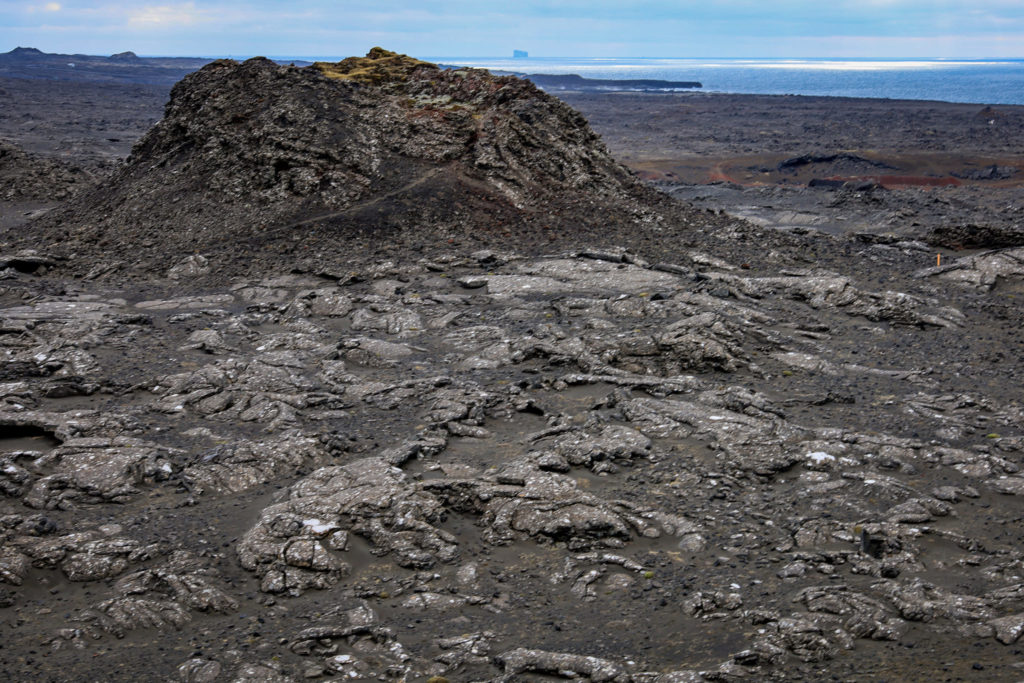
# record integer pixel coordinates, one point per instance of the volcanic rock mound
(254, 163)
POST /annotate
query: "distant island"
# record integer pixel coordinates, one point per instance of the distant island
(520, 54)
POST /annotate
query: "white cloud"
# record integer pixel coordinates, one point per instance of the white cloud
(184, 14)
(854, 28)
(47, 7)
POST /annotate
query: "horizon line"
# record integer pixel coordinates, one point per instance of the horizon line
(565, 58)
(557, 57)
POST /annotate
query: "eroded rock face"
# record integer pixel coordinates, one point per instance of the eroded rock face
(269, 390)
(157, 598)
(290, 548)
(96, 470)
(236, 467)
(82, 556)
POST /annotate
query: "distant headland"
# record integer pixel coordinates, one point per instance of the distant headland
(578, 83)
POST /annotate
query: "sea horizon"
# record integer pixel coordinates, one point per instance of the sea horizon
(527, 60)
(988, 81)
(976, 81)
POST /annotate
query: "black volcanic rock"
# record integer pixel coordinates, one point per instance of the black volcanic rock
(834, 163)
(24, 53)
(956, 235)
(991, 172)
(128, 56)
(30, 177)
(254, 164)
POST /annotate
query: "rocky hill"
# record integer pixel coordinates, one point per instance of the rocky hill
(255, 162)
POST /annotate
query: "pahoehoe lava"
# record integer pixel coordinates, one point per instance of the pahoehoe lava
(371, 370)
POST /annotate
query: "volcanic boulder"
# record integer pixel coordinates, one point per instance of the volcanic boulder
(257, 165)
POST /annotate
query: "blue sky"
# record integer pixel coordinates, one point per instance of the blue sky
(567, 28)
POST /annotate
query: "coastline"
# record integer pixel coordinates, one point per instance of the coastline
(991, 81)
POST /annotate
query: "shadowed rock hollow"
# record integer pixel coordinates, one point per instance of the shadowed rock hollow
(253, 162)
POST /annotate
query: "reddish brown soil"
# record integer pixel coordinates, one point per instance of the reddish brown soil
(694, 138)
(908, 170)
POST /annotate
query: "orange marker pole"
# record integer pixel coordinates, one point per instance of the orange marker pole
(938, 260)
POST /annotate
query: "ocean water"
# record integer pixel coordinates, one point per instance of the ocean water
(985, 82)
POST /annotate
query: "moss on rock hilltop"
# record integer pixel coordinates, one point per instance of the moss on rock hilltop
(377, 67)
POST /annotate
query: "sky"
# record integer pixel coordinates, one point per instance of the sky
(931, 29)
